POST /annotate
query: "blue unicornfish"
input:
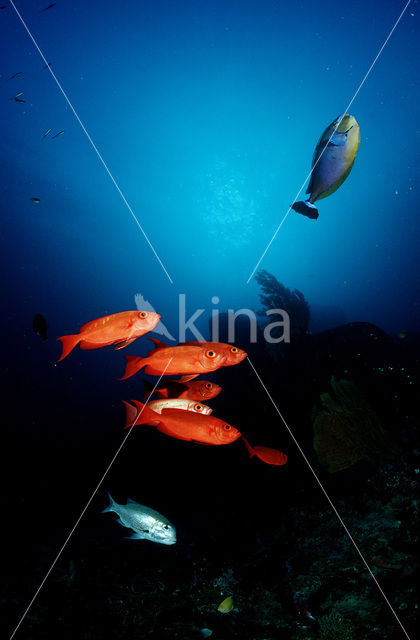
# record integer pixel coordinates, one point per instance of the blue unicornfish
(332, 162)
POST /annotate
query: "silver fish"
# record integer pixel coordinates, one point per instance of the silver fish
(180, 403)
(146, 523)
(132, 412)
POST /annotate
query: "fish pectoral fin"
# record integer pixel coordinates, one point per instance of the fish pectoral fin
(85, 344)
(135, 536)
(338, 139)
(159, 344)
(123, 343)
(188, 378)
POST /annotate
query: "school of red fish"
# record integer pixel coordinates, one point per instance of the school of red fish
(178, 409)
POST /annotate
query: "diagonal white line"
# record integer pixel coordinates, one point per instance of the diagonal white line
(91, 141)
(327, 497)
(338, 124)
(85, 508)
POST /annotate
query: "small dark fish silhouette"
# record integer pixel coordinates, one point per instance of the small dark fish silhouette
(46, 133)
(50, 6)
(57, 134)
(39, 325)
(46, 66)
(3, 6)
(36, 200)
(16, 75)
(18, 99)
(17, 96)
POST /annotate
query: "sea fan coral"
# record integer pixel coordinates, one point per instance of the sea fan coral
(346, 428)
(276, 296)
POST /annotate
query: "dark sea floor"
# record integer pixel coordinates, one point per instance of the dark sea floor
(300, 579)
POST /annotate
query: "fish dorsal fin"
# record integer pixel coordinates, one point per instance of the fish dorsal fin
(124, 343)
(130, 501)
(159, 344)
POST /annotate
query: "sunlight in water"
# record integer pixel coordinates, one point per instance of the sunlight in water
(229, 208)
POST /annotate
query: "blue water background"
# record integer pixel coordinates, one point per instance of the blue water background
(207, 115)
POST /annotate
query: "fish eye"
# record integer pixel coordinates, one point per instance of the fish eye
(227, 427)
(211, 354)
(198, 407)
(234, 349)
(166, 526)
(143, 314)
(209, 385)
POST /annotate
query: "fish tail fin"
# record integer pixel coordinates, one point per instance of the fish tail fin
(111, 505)
(133, 364)
(145, 415)
(68, 344)
(251, 450)
(130, 414)
(306, 209)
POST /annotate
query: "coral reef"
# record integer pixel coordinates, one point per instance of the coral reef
(346, 428)
(334, 627)
(276, 295)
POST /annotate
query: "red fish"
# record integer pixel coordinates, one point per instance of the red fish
(200, 390)
(183, 425)
(269, 456)
(232, 353)
(176, 360)
(120, 328)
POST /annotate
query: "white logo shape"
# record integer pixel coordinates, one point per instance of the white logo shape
(144, 305)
